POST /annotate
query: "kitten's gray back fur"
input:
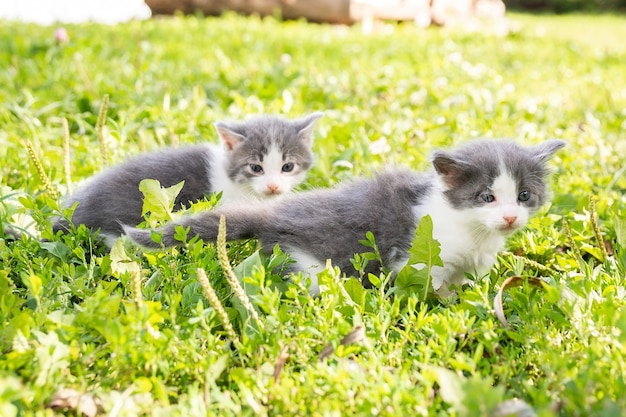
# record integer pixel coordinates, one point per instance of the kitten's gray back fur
(328, 224)
(112, 197)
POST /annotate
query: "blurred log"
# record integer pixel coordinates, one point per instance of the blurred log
(423, 12)
(388, 9)
(331, 11)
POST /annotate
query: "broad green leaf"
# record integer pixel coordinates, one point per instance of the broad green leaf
(415, 277)
(450, 386)
(11, 388)
(34, 284)
(19, 326)
(52, 357)
(121, 263)
(247, 266)
(356, 291)
(58, 249)
(159, 201)
(217, 368)
(247, 272)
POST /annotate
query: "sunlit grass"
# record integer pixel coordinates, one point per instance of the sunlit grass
(71, 313)
(602, 33)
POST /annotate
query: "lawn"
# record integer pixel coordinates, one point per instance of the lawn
(141, 334)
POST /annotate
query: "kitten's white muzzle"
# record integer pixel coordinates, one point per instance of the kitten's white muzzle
(511, 218)
(273, 188)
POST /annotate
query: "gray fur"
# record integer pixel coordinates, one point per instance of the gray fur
(112, 197)
(328, 224)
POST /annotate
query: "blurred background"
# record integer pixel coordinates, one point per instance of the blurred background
(113, 11)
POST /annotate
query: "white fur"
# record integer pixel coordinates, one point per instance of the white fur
(506, 205)
(310, 267)
(471, 238)
(272, 183)
(232, 192)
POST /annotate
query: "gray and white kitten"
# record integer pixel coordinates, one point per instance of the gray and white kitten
(258, 158)
(477, 195)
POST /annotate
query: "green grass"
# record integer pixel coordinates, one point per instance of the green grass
(71, 314)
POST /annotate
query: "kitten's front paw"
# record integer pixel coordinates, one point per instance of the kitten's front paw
(443, 281)
(439, 279)
(445, 292)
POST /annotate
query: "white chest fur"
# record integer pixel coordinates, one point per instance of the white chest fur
(467, 245)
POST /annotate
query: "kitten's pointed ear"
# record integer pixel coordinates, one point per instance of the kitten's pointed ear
(229, 137)
(449, 167)
(544, 151)
(305, 127)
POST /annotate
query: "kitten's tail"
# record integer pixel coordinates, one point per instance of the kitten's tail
(10, 234)
(240, 224)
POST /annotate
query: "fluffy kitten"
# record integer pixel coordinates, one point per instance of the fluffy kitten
(477, 195)
(259, 158)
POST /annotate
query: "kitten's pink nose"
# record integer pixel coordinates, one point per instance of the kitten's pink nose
(510, 219)
(273, 188)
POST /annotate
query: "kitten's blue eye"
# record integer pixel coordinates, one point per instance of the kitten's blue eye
(523, 196)
(488, 198)
(257, 169)
(288, 167)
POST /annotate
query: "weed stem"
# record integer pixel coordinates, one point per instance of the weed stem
(209, 294)
(40, 171)
(570, 239)
(596, 228)
(222, 256)
(102, 115)
(66, 155)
